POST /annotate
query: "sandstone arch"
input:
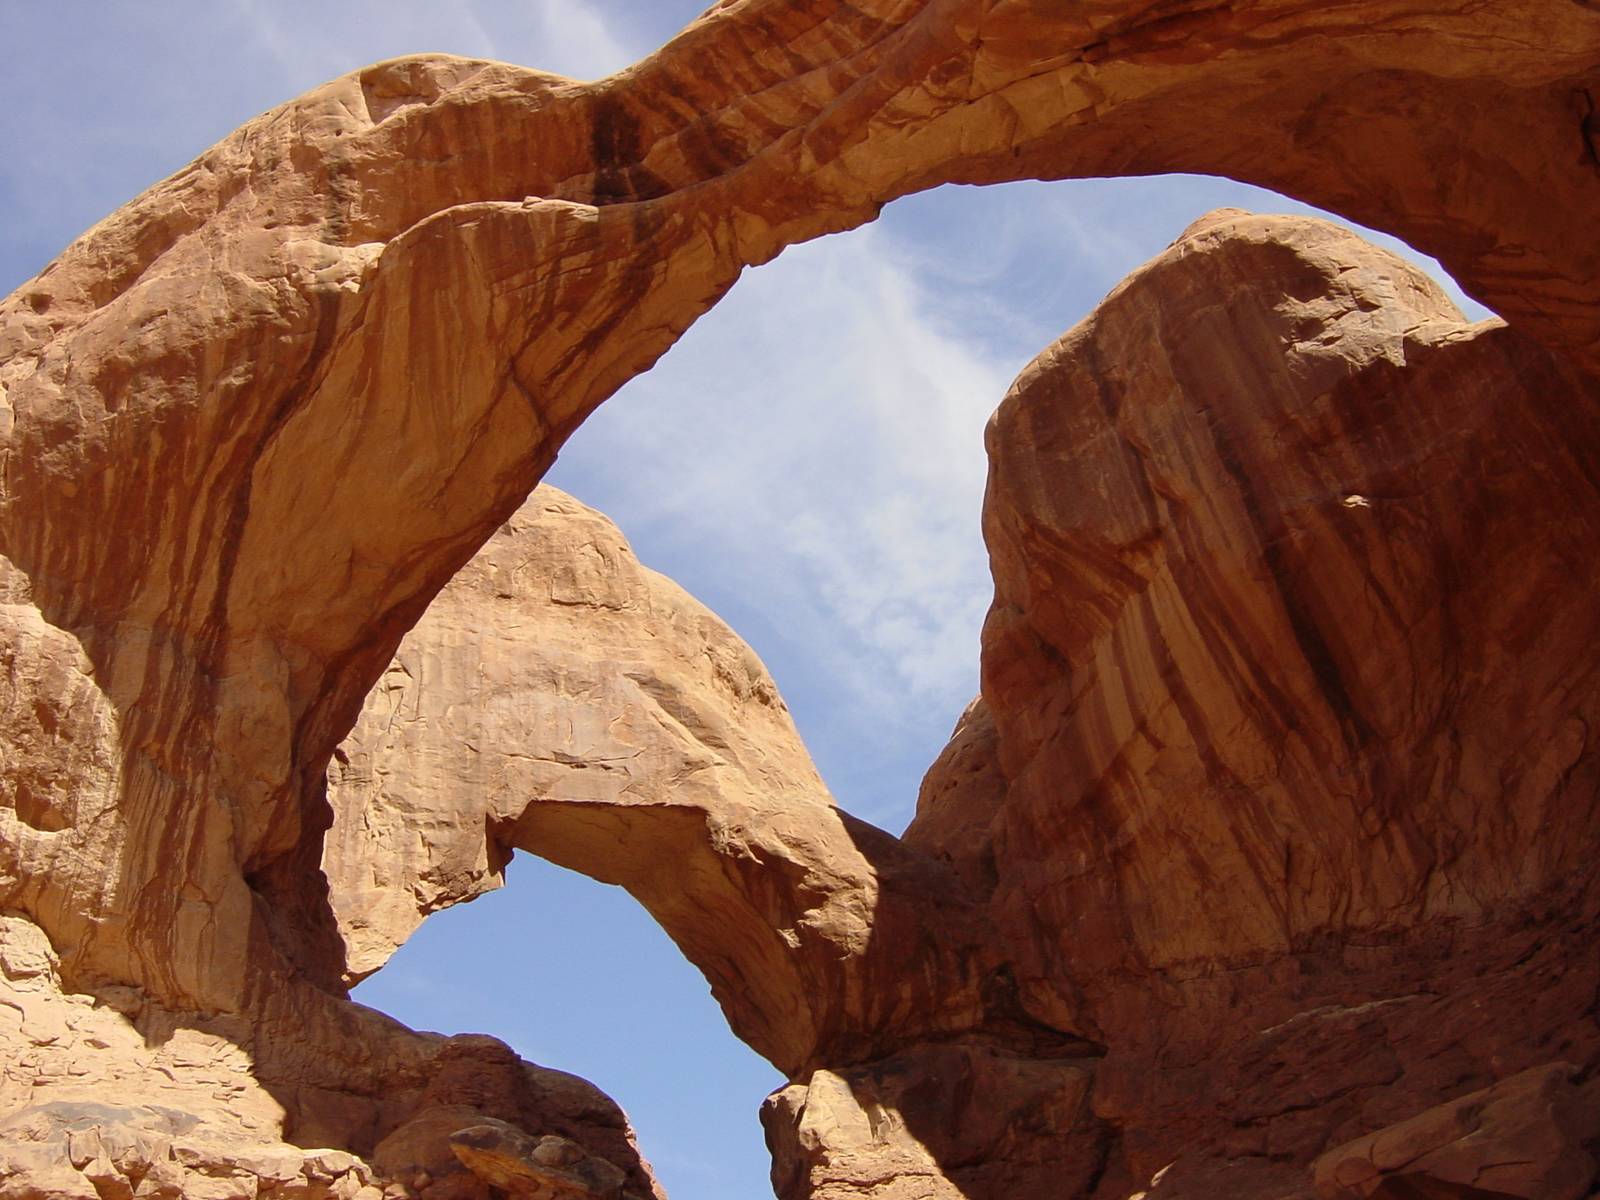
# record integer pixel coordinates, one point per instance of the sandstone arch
(335, 280)
(563, 699)
(524, 280)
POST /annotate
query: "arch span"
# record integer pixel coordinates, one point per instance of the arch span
(362, 325)
(421, 276)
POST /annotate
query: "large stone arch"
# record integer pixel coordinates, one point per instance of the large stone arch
(255, 420)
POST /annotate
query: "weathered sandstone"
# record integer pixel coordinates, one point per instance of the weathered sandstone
(1245, 546)
(559, 697)
(1527, 1136)
(547, 1168)
(1221, 1066)
(952, 1120)
(463, 258)
(1290, 692)
(1287, 680)
(111, 1095)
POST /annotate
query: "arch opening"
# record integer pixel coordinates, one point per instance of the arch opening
(574, 974)
(828, 339)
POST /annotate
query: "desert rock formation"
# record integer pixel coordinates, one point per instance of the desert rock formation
(1300, 815)
(1529, 1135)
(561, 698)
(1335, 674)
(1282, 805)
(110, 1094)
(1244, 857)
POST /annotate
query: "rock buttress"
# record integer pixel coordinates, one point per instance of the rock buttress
(1289, 678)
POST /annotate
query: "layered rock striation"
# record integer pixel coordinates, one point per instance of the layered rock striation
(1274, 825)
(563, 699)
(1284, 689)
(1247, 846)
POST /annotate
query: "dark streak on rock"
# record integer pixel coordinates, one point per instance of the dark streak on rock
(1589, 128)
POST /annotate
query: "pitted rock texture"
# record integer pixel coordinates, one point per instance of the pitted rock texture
(253, 422)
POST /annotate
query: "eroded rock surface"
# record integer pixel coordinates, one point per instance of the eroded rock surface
(111, 1095)
(1527, 1136)
(953, 1121)
(251, 424)
(559, 697)
(1156, 1011)
(259, 416)
(547, 1168)
(1291, 699)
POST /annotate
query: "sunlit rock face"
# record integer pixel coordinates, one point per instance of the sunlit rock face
(1292, 699)
(252, 423)
(1298, 538)
(560, 697)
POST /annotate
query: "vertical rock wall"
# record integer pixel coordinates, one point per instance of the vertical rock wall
(1292, 703)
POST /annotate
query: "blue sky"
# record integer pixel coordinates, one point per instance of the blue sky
(808, 461)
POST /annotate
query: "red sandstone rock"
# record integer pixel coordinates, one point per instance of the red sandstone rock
(938, 1121)
(1299, 798)
(548, 1168)
(1284, 667)
(1527, 1136)
(561, 698)
(376, 265)
(960, 798)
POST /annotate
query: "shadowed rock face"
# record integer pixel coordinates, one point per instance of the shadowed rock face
(252, 423)
(1286, 684)
(112, 1094)
(1525, 1136)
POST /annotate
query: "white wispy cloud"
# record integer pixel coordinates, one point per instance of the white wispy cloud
(302, 61)
(809, 461)
(576, 40)
(568, 37)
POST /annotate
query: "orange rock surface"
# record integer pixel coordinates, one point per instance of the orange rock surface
(561, 698)
(1300, 817)
(1283, 756)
